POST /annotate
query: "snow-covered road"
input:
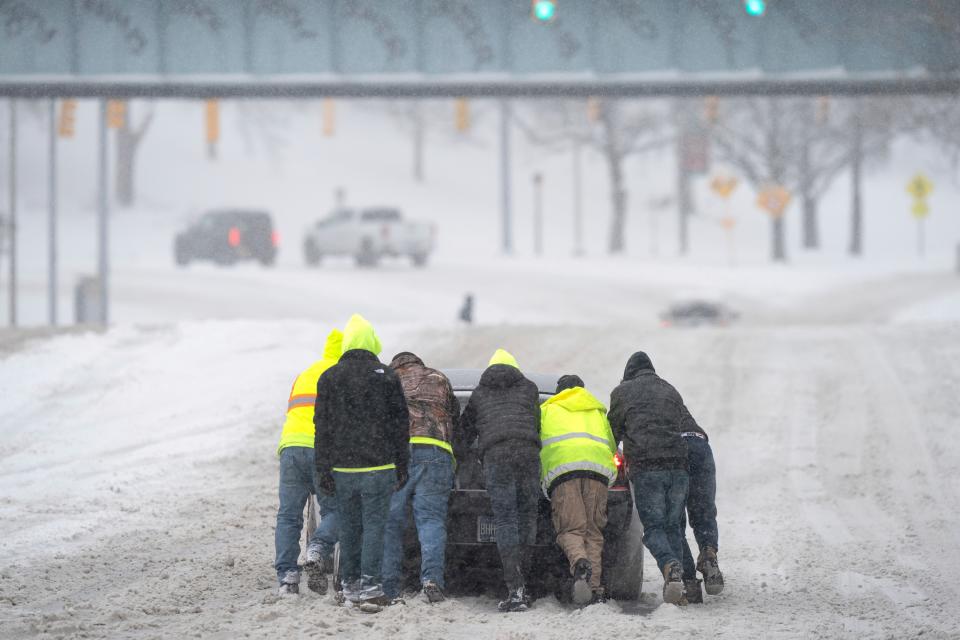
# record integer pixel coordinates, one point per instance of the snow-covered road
(138, 480)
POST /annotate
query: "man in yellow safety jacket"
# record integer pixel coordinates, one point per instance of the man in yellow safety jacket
(576, 466)
(297, 482)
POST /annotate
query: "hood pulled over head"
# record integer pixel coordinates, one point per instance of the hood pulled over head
(569, 381)
(502, 356)
(638, 363)
(405, 358)
(333, 347)
(359, 334)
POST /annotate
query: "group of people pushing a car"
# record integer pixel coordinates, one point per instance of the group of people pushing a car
(368, 439)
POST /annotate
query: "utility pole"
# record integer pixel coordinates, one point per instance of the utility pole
(577, 200)
(103, 212)
(505, 196)
(538, 214)
(12, 229)
(52, 213)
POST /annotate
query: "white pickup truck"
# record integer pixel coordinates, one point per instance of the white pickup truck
(368, 235)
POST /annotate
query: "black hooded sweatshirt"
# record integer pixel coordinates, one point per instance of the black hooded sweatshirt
(647, 413)
(360, 416)
(504, 411)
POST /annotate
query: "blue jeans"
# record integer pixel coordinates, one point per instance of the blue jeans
(431, 479)
(513, 484)
(701, 502)
(363, 503)
(297, 472)
(660, 497)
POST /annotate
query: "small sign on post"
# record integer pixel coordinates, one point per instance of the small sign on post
(920, 187)
(724, 186)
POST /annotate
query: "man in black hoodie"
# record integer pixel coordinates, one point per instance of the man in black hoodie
(646, 412)
(360, 450)
(504, 411)
(702, 510)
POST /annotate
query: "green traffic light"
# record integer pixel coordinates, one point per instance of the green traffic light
(755, 7)
(545, 10)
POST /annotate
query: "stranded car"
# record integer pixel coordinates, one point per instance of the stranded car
(226, 236)
(472, 561)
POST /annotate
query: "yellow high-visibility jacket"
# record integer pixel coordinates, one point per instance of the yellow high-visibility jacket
(298, 430)
(575, 436)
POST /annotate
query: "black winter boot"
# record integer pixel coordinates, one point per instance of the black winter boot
(692, 591)
(707, 565)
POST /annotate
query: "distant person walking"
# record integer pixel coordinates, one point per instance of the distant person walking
(361, 454)
(298, 483)
(577, 465)
(434, 412)
(702, 511)
(646, 413)
(504, 412)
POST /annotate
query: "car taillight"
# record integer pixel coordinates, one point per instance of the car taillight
(233, 237)
(275, 238)
(618, 459)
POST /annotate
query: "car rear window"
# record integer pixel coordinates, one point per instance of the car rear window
(380, 215)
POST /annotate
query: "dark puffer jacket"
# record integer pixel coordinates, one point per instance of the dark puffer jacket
(361, 415)
(434, 409)
(504, 411)
(646, 412)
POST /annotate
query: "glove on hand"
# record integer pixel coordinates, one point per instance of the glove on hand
(402, 477)
(327, 484)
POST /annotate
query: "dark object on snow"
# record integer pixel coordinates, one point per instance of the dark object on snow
(466, 311)
(646, 413)
(698, 313)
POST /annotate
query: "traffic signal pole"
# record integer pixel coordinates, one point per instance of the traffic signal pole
(103, 212)
(505, 195)
(12, 226)
(52, 216)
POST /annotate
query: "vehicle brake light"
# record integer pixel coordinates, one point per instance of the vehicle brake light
(618, 459)
(275, 238)
(233, 237)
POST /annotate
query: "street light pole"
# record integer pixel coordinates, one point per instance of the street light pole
(13, 212)
(52, 216)
(103, 212)
(538, 214)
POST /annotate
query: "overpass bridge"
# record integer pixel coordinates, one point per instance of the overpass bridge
(358, 48)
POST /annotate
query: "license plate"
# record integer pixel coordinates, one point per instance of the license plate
(485, 529)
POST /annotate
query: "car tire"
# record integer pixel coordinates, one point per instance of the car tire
(311, 254)
(180, 253)
(419, 259)
(627, 577)
(365, 256)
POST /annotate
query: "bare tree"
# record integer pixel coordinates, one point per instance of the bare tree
(616, 129)
(128, 139)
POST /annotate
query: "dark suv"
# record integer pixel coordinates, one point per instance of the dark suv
(472, 561)
(226, 236)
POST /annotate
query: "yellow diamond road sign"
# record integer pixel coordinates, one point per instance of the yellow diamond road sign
(919, 186)
(723, 186)
(774, 200)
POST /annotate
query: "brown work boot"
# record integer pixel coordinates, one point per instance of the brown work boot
(707, 565)
(672, 583)
(692, 591)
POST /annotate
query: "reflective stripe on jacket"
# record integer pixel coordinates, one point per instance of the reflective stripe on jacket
(298, 429)
(575, 436)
